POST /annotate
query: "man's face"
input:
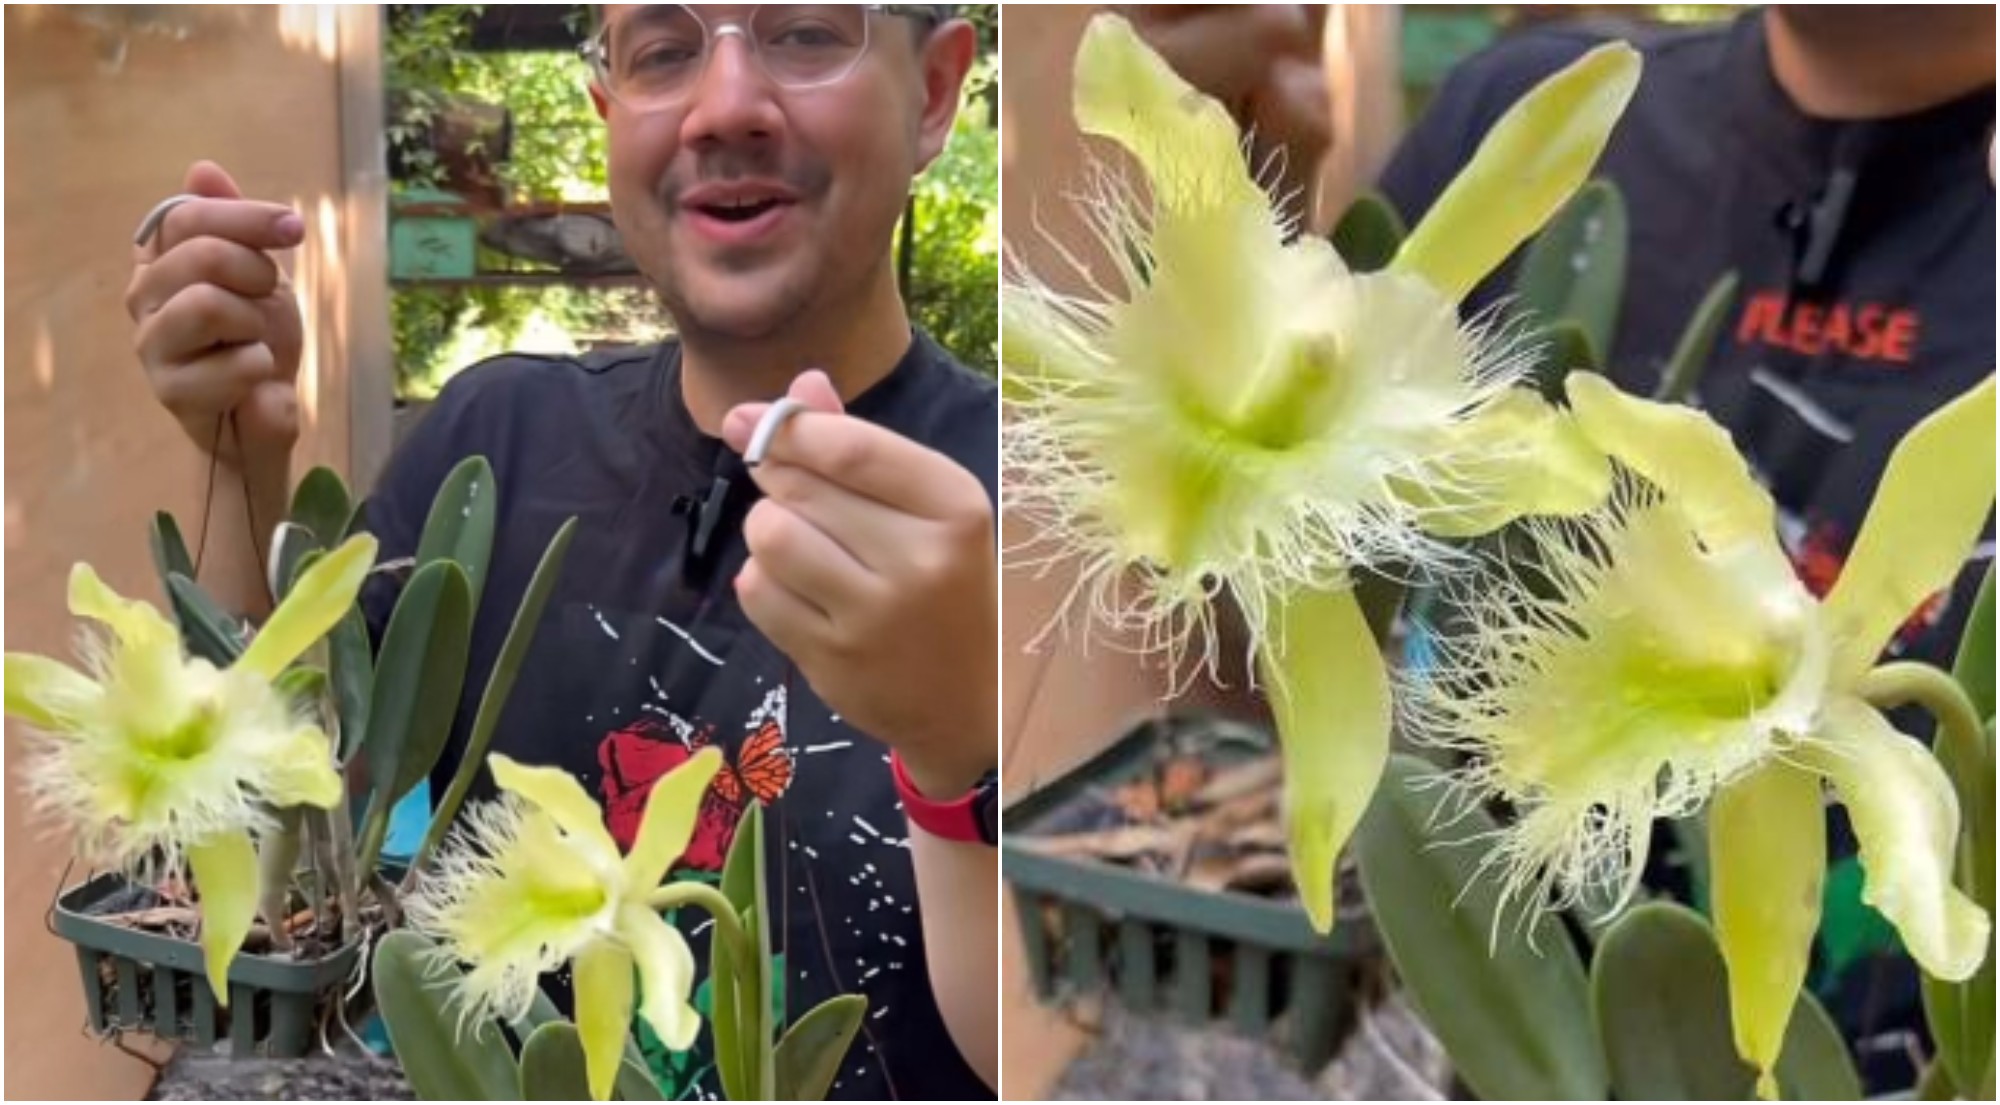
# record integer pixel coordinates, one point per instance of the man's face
(748, 204)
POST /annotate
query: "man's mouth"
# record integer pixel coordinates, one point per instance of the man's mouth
(737, 213)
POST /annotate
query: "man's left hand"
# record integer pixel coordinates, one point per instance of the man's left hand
(872, 565)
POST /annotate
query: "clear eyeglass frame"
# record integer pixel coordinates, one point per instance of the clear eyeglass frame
(596, 52)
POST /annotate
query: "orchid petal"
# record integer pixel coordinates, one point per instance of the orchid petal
(1934, 498)
(225, 876)
(1330, 694)
(1767, 855)
(315, 604)
(1905, 817)
(671, 809)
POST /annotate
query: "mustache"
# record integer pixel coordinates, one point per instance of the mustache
(807, 178)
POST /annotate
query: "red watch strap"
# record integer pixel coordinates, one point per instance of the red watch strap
(955, 820)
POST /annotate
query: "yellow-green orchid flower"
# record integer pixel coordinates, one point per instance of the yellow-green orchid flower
(1244, 418)
(1665, 656)
(535, 880)
(150, 750)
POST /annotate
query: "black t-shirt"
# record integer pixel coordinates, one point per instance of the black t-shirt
(1842, 337)
(644, 656)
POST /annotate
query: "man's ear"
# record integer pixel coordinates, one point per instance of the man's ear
(598, 101)
(946, 59)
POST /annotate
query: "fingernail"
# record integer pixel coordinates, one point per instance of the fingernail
(291, 228)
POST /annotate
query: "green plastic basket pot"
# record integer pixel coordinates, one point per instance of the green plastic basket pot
(1206, 957)
(144, 982)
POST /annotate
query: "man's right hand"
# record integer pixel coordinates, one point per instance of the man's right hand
(218, 326)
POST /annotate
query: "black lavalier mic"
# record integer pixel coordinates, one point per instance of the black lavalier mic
(723, 505)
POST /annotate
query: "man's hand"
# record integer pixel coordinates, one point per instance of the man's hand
(1262, 62)
(218, 326)
(872, 565)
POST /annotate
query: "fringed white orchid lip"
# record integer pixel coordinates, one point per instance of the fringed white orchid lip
(535, 881)
(151, 752)
(1661, 655)
(1242, 418)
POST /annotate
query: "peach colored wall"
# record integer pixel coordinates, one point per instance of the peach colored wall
(105, 108)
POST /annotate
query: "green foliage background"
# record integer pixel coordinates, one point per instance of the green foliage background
(559, 154)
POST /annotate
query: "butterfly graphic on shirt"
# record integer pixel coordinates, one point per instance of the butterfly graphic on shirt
(760, 766)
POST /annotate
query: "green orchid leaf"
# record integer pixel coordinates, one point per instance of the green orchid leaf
(322, 596)
(1660, 994)
(1973, 667)
(1767, 856)
(1525, 169)
(206, 631)
(499, 686)
(1925, 519)
(321, 504)
(742, 1021)
(1512, 1009)
(351, 663)
(1565, 348)
(460, 527)
(1696, 346)
(293, 550)
(809, 1056)
(225, 879)
(417, 681)
(1329, 693)
(552, 1065)
(1815, 1065)
(443, 1059)
(1574, 270)
(170, 554)
(1369, 233)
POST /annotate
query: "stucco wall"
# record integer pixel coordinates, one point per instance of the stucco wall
(105, 108)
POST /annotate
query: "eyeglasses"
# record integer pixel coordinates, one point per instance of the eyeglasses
(654, 57)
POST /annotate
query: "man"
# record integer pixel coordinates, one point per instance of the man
(1838, 160)
(816, 618)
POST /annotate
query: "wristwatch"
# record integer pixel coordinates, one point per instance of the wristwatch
(972, 818)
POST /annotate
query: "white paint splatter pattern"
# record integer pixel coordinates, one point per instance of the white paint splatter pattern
(691, 642)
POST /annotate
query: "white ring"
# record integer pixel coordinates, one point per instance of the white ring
(767, 428)
(150, 225)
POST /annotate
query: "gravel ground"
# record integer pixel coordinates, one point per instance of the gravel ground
(346, 1077)
(1389, 1056)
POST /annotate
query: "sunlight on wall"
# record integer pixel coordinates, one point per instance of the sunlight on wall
(310, 28)
(45, 355)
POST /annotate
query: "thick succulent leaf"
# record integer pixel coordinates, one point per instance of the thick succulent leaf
(444, 1057)
(1525, 169)
(1369, 233)
(1767, 857)
(322, 505)
(1926, 517)
(1696, 345)
(1513, 1012)
(1574, 270)
(809, 1056)
(499, 687)
(461, 523)
(1329, 693)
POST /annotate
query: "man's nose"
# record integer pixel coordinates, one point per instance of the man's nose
(734, 100)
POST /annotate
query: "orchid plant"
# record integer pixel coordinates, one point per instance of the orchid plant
(1245, 417)
(1236, 417)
